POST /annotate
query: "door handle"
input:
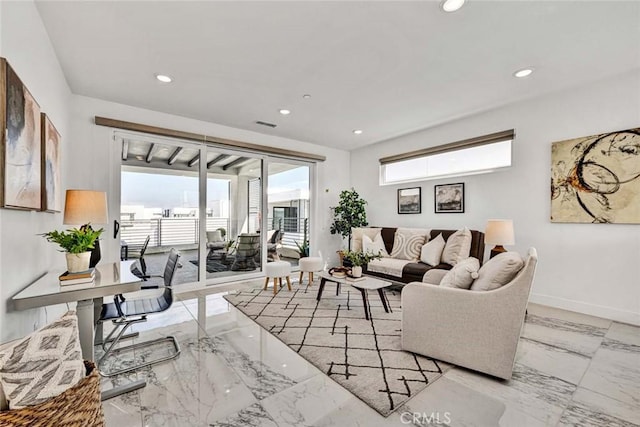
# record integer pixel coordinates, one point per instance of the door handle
(116, 228)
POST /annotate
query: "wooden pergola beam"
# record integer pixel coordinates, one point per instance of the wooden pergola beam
(174, 156)
(195, 160)
(236, 162)
(218, 159)
(150, 153)
(125, 149)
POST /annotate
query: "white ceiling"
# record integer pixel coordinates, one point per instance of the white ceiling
(388, 68)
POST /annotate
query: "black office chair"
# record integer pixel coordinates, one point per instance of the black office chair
(138, 252)
(125, 312)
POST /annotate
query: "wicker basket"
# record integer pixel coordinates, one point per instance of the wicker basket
(77, 407)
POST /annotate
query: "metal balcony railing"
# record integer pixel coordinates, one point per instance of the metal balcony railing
(184, 231)
(167, 231)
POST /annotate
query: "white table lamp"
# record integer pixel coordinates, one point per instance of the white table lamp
(86, 207)
(499, 232)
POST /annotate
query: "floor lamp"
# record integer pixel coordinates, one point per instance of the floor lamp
(86, 207)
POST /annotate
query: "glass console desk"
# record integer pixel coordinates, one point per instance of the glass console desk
(111, 279)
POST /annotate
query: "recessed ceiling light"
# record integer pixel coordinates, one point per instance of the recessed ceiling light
(357, 131)
(306, 96)
(451, 5)
(285, 112)
(525, 72)
(164, 78)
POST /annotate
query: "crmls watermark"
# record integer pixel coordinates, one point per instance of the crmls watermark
(426, 419)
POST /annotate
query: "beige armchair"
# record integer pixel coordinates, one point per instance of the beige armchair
(476, 330)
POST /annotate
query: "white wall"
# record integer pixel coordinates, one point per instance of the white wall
(24, 255)
(590, 268)
(90, 161)
(96, 160)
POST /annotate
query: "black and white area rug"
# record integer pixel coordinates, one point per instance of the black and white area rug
(364, 356)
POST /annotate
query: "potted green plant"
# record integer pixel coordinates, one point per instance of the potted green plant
(348, 214)
(358, 259)
(303, 248)
(77, 244)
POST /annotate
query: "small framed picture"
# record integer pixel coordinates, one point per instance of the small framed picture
(409, 200)
(449, 198)
(51, 179)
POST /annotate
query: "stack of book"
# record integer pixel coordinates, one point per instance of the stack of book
(84, 277)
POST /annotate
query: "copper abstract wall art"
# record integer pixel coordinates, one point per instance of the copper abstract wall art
(596, 179)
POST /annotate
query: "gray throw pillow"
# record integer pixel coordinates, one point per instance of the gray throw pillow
(498, 271)
(458, 247)
(462, 274)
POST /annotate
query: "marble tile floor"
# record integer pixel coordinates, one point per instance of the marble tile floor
(188, 272)
(571, 370)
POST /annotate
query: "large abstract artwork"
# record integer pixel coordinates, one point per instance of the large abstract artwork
(596, 179)
(21, 186)
(51, 196)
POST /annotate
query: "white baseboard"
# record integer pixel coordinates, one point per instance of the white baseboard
(585, 308)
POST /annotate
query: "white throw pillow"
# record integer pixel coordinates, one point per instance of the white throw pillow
(462, 274)
(498, 271)
(375, 246)
(408, 243)
(457, 247)
(42, 365)
(432, 251)
(358, 232)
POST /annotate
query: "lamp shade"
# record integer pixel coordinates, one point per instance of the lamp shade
(84, 207)
(499, 232)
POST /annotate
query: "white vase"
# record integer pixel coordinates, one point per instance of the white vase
(356, 271)
(78, 262)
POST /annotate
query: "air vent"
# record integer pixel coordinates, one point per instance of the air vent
(271, 125)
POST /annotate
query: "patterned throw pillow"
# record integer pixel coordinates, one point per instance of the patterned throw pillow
(408, 243)
(44, 364)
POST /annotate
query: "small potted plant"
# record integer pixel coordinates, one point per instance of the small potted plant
(358, 259)
(77, 244)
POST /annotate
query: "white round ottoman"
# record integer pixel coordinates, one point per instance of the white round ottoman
(277, 270)
(309, 265)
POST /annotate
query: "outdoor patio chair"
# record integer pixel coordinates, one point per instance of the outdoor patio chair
(246, 250)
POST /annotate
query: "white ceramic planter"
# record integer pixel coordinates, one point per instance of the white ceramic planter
(78, 262)
(356, 271)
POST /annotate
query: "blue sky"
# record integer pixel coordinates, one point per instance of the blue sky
(168, 191)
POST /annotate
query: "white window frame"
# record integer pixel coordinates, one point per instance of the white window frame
(454, 147)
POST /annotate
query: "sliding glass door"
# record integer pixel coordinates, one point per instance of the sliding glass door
(228, 212)
(288, 205)
(159, 205)
(233, 205)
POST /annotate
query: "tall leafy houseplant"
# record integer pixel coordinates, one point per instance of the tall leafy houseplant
(348, 214)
